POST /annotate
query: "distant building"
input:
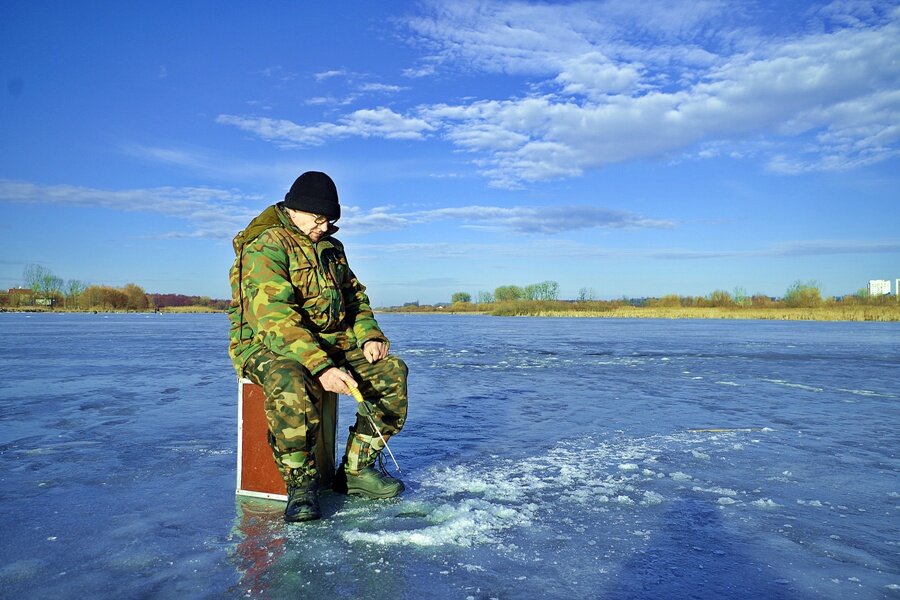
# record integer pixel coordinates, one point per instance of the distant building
(880, 287)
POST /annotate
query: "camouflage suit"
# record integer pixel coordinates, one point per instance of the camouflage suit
(297, 310)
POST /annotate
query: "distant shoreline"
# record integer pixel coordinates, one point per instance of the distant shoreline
(886, 314)
(170, 310)
(824, 313)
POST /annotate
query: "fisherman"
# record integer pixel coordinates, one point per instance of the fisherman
(301, 324)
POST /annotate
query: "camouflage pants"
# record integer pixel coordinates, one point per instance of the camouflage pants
(293, 400)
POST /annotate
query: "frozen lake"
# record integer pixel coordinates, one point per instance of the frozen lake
(552, 458)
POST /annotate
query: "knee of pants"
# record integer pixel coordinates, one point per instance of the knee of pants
(286, 377)
(392, 406)
(395, 372)
(394, 376)
(400, 365)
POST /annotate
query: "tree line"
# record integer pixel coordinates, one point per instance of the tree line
(545, 290)
(41, 287)
(800, 294)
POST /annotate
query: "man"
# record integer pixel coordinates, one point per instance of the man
(300, 324)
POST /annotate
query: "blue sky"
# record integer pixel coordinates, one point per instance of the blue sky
(633, 148)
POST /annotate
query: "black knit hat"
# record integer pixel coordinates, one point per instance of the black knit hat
(314, 192)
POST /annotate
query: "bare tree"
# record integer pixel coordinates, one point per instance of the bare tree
(33, 277)
(43, 284)
(74, 288)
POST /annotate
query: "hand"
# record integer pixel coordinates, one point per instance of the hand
(336, 380)
(375, 350)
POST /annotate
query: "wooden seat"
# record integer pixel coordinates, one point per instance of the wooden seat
(257, 474)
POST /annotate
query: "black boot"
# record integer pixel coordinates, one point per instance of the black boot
(303, 502)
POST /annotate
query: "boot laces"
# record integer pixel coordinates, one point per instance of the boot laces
(382, 468)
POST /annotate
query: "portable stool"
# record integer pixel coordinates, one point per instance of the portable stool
(257, 474)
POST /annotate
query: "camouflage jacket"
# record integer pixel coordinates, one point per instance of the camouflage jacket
(297, 298)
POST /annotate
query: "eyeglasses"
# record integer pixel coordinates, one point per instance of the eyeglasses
(317, 219)
(321, 220)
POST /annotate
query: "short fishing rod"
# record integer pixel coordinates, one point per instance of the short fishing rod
(357, 395)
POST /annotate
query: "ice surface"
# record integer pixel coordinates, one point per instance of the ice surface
(543, 458)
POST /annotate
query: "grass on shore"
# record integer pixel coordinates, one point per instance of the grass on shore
(166, 309)
(190, 309)
(527, 308)
(537, 308)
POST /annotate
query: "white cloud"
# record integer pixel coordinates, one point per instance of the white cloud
(278, 72)
(218, 213)
(786, 250)
(830, 247)
(382, 88)
(330, 74)
(541, 38)
(594, 76)
(377, 219)
(854, 13)
(383, 122)
(421, 71)
(838, 87)
(208, 163)
(522, 219)
(353, 86)
(561, 248)
(622, 81)
(211, 212)
(378, 122)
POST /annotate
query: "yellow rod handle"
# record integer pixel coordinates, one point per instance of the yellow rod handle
(357, 395)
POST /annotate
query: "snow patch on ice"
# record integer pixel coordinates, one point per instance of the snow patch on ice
(652, 499)
(469, 522)
(644, 533)
(765, 503)
(480, 501)
(716, 490)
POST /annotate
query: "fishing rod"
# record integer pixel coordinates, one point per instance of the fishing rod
(357, 395)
